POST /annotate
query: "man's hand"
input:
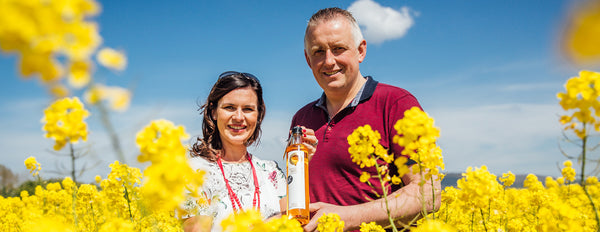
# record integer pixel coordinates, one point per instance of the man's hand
(318, 209)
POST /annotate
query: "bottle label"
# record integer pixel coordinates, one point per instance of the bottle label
(296, 186)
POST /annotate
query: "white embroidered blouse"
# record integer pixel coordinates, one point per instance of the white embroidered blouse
(271, 181)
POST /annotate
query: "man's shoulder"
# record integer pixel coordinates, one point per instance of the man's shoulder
(308, 108)
(388, 90)
(383, 87)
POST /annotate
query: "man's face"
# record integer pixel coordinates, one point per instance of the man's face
(333, 55)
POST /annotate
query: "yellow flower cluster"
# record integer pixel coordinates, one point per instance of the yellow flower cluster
(330, 222)
(64, 122)
(112, 59)
(507, 179)
(568, 172)
(581, 101)
(41, 31)
(434, 226)
(371, 227)
(33, 166)
(56, 39)
(67, 206)
(117, 98)
(365, 148)
(480, 203)
(169, 175)
(418, 136)
(477, 187)
(365, 151)
(583, 33)
(251, 221)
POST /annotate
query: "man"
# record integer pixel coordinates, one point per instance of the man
(334, 48)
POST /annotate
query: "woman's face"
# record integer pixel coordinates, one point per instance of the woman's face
(236, 115)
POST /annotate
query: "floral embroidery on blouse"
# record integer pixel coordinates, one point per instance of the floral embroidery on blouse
(241, 181)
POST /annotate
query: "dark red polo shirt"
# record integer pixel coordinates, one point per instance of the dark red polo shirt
(333, 177)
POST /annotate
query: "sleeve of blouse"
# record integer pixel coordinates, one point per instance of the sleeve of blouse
(193, 206)
(277, 177)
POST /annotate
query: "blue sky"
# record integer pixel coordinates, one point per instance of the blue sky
(486, 71)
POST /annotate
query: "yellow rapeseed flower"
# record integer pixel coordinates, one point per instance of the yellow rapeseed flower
(245, 221)
(371, 227)
(169, 174)
(478, 187)
(364, 177)
(418, 136)
(330, 222)
(568, 172)
(507, 179)
(64, 122)
(583, 33)
(79, 73)
(33, 166)
(112, 59)
(118, 98)
(364, 142)
(581, 101)
(433, 226)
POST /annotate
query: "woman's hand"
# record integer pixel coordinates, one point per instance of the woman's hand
(310, 141)
(198, 223)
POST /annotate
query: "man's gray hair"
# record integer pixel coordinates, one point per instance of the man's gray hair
(328, 14)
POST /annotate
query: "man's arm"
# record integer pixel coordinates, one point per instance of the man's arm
(405, 204)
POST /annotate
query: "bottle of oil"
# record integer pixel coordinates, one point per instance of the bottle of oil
(296, 156)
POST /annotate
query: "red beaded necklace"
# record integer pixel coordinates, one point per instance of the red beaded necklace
(235, 201)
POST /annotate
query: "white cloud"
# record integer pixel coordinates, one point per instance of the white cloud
(521, 138)
(381, 23)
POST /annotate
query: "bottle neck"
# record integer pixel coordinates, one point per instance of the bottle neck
(296, 138)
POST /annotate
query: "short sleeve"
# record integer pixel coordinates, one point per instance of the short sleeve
(199, 205)
(277, 179)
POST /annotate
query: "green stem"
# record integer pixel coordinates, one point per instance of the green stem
(472, 221)
(128, 203)
(433, 196)
(593, 207)
(114, 138)
(94, 217)
(74, 204)
(72, 162)
(483, 219)
(583, 153)
(387, 207)
(421, 186)
(582, 181)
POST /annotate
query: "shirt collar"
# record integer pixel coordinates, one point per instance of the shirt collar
(365, 92)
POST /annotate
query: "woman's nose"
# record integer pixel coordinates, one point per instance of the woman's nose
(238, 115)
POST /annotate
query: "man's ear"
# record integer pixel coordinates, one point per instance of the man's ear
(362, 51)
(307, 59)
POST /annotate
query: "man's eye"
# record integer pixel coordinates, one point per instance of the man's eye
(339, 49)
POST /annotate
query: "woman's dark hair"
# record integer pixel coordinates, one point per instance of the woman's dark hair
(211, 139)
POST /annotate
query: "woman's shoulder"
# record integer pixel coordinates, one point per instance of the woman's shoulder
(268, 165)
(197, 162)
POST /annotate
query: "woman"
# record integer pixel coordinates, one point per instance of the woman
(235, 180)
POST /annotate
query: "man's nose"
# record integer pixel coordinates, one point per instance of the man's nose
(329, 58)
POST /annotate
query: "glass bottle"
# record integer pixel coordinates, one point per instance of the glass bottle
(296, 156)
